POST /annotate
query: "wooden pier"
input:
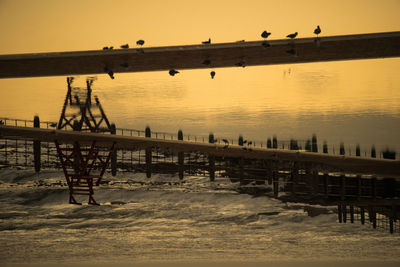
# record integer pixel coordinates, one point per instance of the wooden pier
(235, 54)
(359, 186)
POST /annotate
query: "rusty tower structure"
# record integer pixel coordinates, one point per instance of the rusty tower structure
(83, 164)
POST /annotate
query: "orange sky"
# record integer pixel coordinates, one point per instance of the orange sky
(48, 25)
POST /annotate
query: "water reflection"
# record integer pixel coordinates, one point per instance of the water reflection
(352, 101)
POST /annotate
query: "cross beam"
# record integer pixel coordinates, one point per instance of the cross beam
(284, 51)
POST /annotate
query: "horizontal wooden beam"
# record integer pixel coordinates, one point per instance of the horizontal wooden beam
(358, 165)
(346, 47)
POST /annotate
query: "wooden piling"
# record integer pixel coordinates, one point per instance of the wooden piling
(351, 213)
(180, 157)
(362, 215)
(148, 154)
(342, 151)
(340, 213)
(211, 159)
(308, 145)
(269, 143)
(314, 145)
(391, 224)
(344, 209)
(113, 130)
(36, 146)
(274, 142)
(325, 148)
(373, 152)
(358, 150)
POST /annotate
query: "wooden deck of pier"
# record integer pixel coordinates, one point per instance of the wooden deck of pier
(236, 54)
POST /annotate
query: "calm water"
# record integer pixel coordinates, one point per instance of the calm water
(164, 220)
(349, 101)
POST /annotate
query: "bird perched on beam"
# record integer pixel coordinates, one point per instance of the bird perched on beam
(125, 46)
(317, 31)
(265, 34)
(207, 42)
(172, 72)
(140, 42)
(292, 36)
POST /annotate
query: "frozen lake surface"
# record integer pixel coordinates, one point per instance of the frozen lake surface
(163, 220)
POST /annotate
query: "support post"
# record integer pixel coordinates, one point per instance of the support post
(314, 145)
(148, 154)
(342, 152)
(36, 146)
(344, 210)
(180, 157)
(339, 207)
(358, 150)
(211, 159)
(362, 213)
(241, 170)
(113, 130)
(325, 148)
(351, 213)
(391, 224)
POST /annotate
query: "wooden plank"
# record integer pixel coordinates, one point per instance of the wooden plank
(345, 47)
(384, 167)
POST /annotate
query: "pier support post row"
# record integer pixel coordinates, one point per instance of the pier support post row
(180, 157)
(211, 159)
(148, 154)
(36, 146)
(113, 154)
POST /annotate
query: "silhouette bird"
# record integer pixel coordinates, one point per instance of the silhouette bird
(125, 46)
(109, 72)
(241, 64)
(225, 141)
(207, 62)
(317, 31)
(265, 34)
(292, 36)
(53, 124)
(105, 48)
(212, 74)
(265, 44)
(249, 143)
(172, 72)
(140, 42)
(207, 42)
(111, 47)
